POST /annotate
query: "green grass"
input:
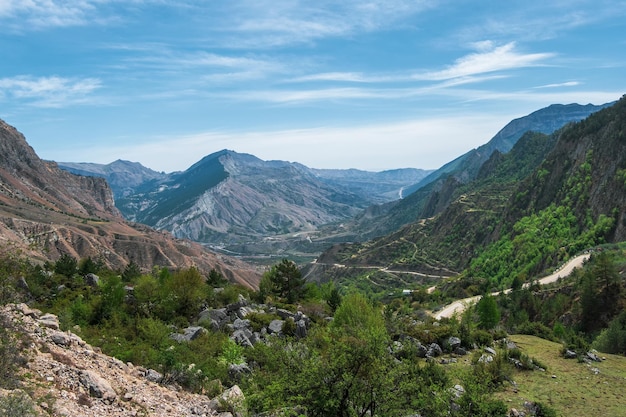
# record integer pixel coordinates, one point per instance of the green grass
(576, 390)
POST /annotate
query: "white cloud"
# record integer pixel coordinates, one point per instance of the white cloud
(489, 58)
(48, 91)
(558, 85)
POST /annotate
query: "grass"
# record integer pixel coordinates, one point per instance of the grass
(576, 389)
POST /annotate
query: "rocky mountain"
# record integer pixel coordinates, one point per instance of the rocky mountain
(46, 211)
(437, 190)
(123, 176)
(243, 204)
(549, 197)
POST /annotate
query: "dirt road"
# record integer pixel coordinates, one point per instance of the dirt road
(458, 306)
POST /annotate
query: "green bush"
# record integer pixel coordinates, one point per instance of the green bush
(17, 404)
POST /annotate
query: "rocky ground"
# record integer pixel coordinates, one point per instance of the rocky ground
(67, 377)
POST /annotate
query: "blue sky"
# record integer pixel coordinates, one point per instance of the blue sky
(368, 84)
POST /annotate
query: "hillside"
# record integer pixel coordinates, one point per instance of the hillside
(569, 184)
(46, 212)
(437, 190)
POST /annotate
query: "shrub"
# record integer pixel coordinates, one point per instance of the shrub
(17, 404)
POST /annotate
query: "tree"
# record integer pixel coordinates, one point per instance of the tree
(216, 278)
(66, 265)
(131, 272)
(284, 280)
(488, 312)
(190, 290)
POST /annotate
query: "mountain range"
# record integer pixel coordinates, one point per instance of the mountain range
(46, 212)
(524, 211)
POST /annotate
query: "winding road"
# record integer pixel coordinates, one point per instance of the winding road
(458, 306)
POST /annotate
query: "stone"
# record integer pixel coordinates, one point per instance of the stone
(27, 311)
(301, 328)
(189, 334)
(485, 358)
(237, 371)
(230, 399)
(153, 376)
(50, 321)
(570, 354)
(454, 342)
(242, 337)
(592, 356)
(461, 351)
(490, 350)
(91, 279)
(434, 350)
(97, 386)
(275, 326)
(61, 339)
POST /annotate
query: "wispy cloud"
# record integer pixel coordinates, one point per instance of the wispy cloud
(558, 85)
(48, 91)
(488, 59)
(267, 23)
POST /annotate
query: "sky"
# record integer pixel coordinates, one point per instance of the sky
(366, 84)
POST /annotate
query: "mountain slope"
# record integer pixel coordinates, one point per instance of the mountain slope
(45, 212)
(567, 190)
(122, 176)
(442, 182)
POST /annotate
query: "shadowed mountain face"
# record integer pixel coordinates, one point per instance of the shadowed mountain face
(46, 211)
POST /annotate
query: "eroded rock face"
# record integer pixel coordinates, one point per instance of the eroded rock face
(82, 382)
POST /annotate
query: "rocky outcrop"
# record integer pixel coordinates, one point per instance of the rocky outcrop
(46, 212)
(76, 380)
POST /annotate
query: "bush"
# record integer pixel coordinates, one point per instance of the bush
(17, 404)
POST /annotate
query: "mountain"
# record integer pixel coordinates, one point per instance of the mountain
(122, 176)
(527, 210)
(437, 190)
(241, 203)
(46, 211)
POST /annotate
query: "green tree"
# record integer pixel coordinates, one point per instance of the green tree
(131, 272)
(66, 265)
(284, 280)
(216, 278)
(189, 289)
(488, 312)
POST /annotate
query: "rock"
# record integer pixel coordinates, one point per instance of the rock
(458, 391)
(490, 351)
(242, 337)
(570, 354)
(27, 311)
(285, 314)
(61, 339)
(97, 386)
(91, 279)
(276, 326)
(237, 371)
(434, 350)
(50, 321)
(485, 358)
(460, 351)
(422, 350)
(454, 342)
(231, 399)
(218, 316)
(154, 376)
(240, 324)
(301, 328)
(189, 334)
(510, 345)
(593, 357)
